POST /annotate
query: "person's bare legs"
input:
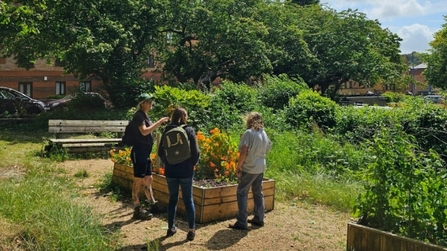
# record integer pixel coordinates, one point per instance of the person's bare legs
(147, 182)
(137, 182)
(139, 213)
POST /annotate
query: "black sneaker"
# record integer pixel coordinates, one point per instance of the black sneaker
(256, 222)
(171, 231)
(141, 214)
(190, 236)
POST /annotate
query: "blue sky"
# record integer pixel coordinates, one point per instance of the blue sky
(414, 21)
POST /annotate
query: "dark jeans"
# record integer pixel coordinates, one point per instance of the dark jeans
(173, 187)
(255, 182)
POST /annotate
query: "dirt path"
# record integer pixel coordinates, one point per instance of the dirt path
(288, 227)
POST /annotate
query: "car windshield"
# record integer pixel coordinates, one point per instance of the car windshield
(7, 95)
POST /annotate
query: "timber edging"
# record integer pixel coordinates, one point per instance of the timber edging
(211, 203)
(363, 238)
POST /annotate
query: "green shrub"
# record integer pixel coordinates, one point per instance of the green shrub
(308, 108)
(194, 101)
(240, 97)
(85, 102)
(357, 124)
(395, 96)
(404, 188)
(276, 91)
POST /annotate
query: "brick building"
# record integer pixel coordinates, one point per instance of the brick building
(353, 88)
(44, 80)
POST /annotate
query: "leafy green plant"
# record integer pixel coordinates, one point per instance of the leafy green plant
(276, 92)
(242, 98)
(309, 107)
(82, 174)
(167, 98)
(404, 188)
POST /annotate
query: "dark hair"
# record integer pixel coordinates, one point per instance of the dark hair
(179, 115)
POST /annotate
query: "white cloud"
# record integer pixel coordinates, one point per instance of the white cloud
(391, 9)
(416, 37)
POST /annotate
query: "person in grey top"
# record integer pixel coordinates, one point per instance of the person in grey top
(253, 147)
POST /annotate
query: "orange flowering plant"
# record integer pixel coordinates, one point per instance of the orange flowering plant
(218, 157)
(123, 157)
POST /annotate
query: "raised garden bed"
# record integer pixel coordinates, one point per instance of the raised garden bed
(361, 237)
(211, 203)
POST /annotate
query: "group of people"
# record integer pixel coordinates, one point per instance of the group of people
(253, 146)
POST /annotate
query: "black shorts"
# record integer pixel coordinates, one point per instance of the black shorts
(141, 162)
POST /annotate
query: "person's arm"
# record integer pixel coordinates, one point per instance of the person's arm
(242, 155)
(146, 130)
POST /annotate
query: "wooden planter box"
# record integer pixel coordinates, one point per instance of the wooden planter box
(362, 238)
(211, 203)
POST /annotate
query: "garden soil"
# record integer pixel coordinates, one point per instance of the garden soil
(290, 226)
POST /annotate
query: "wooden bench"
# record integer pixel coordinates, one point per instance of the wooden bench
(63, 129)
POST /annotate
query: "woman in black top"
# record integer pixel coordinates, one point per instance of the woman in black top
(140, 153)
(181, 174)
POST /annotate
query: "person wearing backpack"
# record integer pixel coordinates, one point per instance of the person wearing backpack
(253, 147)
(141, 128)
(179, 152)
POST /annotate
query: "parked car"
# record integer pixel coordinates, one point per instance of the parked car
(15, 102)
(65, 101)
(437, 99)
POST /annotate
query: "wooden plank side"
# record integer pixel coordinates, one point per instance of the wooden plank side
(86, 145)
(85, 129)
(218, 192)
(365, 238)
(90, 140)
(95, 123)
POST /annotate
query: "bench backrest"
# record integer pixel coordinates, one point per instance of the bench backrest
(86, 126)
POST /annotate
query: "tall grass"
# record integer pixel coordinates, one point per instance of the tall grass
(313, 168)
(49, 215)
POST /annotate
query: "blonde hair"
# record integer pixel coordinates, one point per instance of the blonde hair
(254, 121)
(139, 106)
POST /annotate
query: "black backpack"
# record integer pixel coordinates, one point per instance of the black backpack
(176, 145)
(130, 135)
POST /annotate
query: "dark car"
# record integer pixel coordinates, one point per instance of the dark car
(15, 102)
(65, 101)
(437, 99)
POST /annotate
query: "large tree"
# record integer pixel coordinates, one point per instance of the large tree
(107, 39)
(215, 38)
(436, 73)
(347, 46)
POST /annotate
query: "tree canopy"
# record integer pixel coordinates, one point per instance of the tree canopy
(436, 73)
(200, 41)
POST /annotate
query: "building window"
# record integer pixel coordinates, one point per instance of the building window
(59, 62)
(150, 62)
(26, 88)
(85, 86)
(60, 87)
(350, 84)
